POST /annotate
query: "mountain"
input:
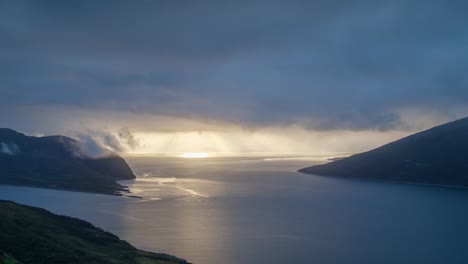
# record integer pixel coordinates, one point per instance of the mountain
(34, 235)
(58, 162)
(435, 156)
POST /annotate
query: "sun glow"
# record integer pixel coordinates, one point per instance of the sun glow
(239, 142)
(194, 155)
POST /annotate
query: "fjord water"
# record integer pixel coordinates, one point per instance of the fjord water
(259, 210)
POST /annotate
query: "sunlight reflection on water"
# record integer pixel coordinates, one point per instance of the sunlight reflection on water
(223, 210)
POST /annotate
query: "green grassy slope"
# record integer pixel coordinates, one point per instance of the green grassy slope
(6, 259)
(34, 235)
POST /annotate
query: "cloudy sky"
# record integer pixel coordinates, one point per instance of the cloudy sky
(285, 76)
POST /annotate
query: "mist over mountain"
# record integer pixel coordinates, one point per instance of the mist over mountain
(436, 156)
(59, 162)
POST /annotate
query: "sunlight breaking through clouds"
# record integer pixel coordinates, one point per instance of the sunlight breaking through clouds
(194, 155)
(284, 141)
(143, 134)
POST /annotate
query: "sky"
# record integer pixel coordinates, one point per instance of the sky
(232, 76)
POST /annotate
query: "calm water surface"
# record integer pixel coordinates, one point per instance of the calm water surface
(256, 210)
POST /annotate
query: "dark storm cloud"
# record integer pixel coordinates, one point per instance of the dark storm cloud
(325, 64)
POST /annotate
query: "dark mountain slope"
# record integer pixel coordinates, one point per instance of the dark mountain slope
(435, 156)
(34, 235)
(57, 162)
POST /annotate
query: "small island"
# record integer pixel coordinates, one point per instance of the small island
(58, 162)
(34, 235)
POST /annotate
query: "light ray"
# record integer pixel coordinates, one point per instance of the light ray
(194, 155)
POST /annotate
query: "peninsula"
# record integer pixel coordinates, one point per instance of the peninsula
(58, 162)
(436, 156)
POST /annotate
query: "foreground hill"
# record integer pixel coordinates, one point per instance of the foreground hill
(435, 156)
(34, 235)
(58, 162)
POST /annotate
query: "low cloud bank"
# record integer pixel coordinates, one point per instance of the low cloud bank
(104, 132)
(9, 149)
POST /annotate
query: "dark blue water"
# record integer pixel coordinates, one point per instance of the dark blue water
(251, 210)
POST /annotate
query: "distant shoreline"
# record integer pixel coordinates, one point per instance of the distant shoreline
(74, 190)
(448, 186)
